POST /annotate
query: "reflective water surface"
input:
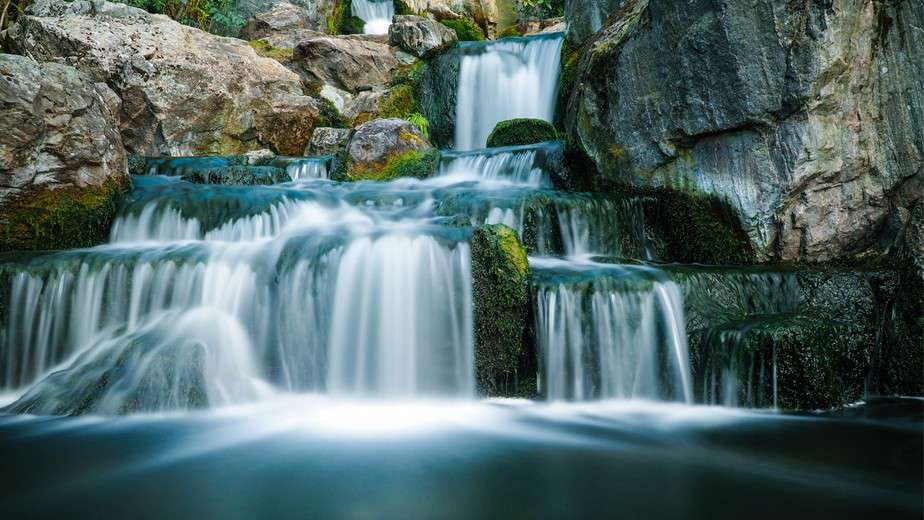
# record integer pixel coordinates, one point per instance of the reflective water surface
(308, 457)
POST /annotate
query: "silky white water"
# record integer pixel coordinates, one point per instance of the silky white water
(619, 333)
(376, 13)
(506, 79)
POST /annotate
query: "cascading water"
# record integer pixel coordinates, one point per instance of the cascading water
(288, 285)
(506, 79)
(376, 13)
(608, 331)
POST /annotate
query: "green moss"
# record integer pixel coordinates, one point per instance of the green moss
(514, 132)
(511, 32)
(402, 8)
(62, 218)
(352, 25)
(500, 273)
(410, 164)
(399, 102)
(466, 30)
(266, 49)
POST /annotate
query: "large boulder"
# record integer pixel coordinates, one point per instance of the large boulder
(802, 115)
(587, 17)
(183, 91)
(420, 36)
(62, 163)
(384, 149)
(351, 63)
(280, 18)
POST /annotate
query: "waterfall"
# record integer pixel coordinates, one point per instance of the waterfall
(618, 332)
(506, 79)
(376, 13)
(523, 165)
(313, 168)
(220, 311)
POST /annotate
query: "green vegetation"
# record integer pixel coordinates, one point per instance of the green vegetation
(410, 164)
(401, 103)
(342, 21)
(543, 8)
(511, 32)
(402, 8)
(266, 49)
(215, 16)
(514, 132)
(466, 30)
(500, 274)
(61, 218)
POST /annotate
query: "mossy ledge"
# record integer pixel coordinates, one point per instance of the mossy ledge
(523, 131)
(500, 276)
(419, 165)
(62, 218)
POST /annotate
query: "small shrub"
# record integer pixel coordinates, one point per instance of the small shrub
(420, 122)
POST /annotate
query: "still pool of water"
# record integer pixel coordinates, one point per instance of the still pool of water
(311, 457)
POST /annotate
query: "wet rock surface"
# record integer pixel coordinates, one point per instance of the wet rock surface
(420, 36)
(802, 116)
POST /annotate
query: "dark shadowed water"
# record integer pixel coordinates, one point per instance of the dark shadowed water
(308, 457)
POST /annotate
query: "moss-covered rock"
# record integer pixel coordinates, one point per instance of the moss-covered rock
(500, 274)
(435, 86)
(63, 218)
(515, 132)
(466, 30)
(414, 164)
(267, 50)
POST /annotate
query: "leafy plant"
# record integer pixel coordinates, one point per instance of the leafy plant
(420, 122)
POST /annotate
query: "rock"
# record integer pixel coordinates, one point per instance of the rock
(500, 274)
(799, 115)
(586, 17)
(420, 36)
(239, 175)
(62, 163)
(389, 148)
(328, 141)
(280, 18)
(484, 13)
(183, 91)
(515, 132)
(259, 157)
(366, 106)
(276, 15)
(339, 98)
(829, 335)
(437, 90)
(351, 63)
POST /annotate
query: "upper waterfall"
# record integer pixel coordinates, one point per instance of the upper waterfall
(505, 79)
(376, 13)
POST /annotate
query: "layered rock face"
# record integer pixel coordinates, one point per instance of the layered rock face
(61, 157)
(351, 63)
(183, 90)
(803, 115)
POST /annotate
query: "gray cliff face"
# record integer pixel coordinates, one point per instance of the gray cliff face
(804, 116)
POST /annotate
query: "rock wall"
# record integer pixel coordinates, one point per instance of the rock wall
(183, 91)
(804, 115)
(62, 163)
